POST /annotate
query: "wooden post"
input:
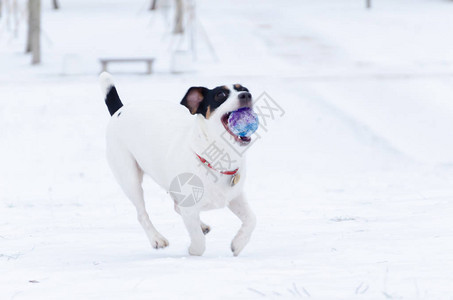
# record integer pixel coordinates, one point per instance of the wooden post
(35, 8)
(149, 68)
(104, 66)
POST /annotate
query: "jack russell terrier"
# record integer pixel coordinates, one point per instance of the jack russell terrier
(172, 151)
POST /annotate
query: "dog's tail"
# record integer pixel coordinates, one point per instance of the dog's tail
(112, 100)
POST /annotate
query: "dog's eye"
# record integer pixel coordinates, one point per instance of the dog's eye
(221, 96)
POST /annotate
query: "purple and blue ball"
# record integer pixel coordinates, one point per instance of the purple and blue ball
(243, 122)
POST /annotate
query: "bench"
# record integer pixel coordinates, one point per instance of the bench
(148, 61)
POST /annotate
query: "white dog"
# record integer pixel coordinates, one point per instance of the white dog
(176, 154)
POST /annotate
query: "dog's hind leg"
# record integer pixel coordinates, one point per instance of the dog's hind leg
(130, 177)
(241, 209)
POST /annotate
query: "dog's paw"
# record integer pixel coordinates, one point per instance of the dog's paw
(196, 250)
(205, 228)
(239, 242)
(159, 242)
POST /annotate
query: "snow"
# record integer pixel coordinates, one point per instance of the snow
(352, 187)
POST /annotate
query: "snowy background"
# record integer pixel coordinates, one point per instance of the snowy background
(352, 187)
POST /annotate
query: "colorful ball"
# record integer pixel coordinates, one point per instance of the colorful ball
(243, 122)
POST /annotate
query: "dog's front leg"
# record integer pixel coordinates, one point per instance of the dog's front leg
(241, 209)
(191, 218)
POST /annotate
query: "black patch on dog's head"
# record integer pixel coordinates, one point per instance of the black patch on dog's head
(201, 100)
(240, 88)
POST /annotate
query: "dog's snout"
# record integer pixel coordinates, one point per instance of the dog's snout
(245, 98)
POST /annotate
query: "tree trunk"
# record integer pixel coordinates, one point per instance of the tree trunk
(153, 5)
(368, 4)
(179, 17)
(1, 8)
(14, 12)
(35, 25)
(29, 29)
(56, 4)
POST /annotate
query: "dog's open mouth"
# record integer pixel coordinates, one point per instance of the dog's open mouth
(242, 140)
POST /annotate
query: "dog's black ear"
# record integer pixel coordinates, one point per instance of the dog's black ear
(194, 99)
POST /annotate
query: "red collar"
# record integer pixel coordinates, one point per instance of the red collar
(206, 163)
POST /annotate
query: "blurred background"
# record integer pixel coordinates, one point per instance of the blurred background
(352, 182)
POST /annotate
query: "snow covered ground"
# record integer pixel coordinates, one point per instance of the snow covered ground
(353, 186)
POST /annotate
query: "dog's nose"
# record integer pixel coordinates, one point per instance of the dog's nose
(245, 98)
